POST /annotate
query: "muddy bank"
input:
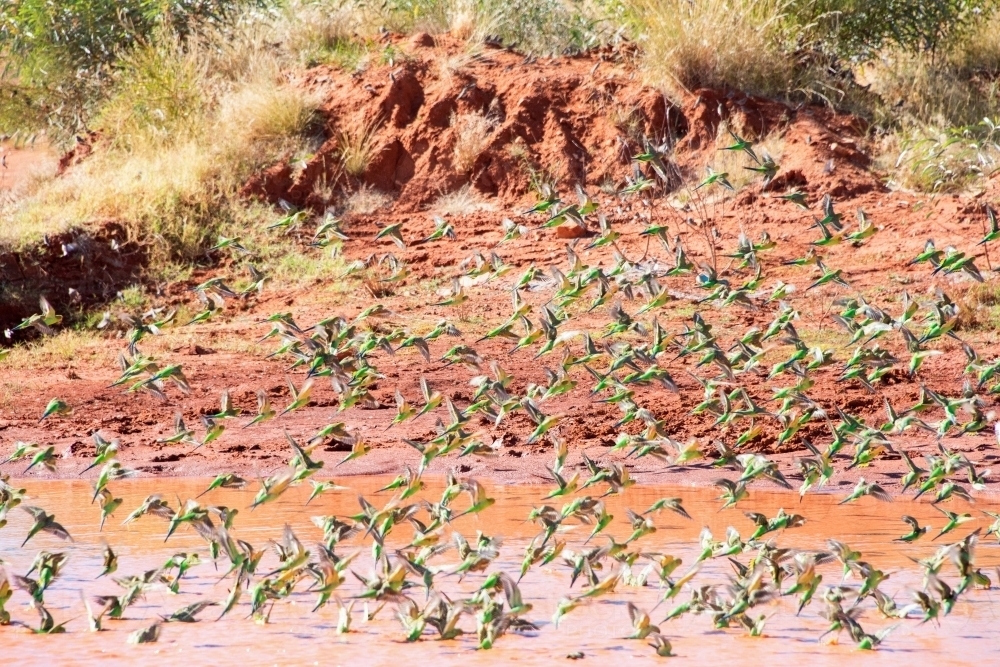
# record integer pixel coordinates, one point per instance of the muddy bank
(75, 270)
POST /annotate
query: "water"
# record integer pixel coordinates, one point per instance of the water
(297, 636)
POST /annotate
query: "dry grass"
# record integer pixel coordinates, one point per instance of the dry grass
(628, 121)
(943, 113)
(979, 308)
(376, 288)
(172, 172)
(916, 91)
(297, 268)
(465, 21)
(927, 158)
(159, 95)
(472, 137)
(464, 201)
(67, 348)
(980, 53)
(356, 144)
(172, 200)
(263, 111)
(366, 200)
(325, 187)
(321, 31)
(450, 64)
(716, 43)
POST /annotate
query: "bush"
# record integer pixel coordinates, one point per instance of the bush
(741, 44)
(927, 159)
(858, 29)
(59, 55)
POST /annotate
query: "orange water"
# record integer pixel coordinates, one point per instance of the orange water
(295, 635)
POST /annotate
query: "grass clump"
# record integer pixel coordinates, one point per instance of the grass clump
(544, 27)
(366, 200)
(472, 137)
(463, 201)
(68, 347)
(261, 111)
(979, 308)
(927, 158)
(157, 95)
(356, 144)
(741, 44)
(323, 32)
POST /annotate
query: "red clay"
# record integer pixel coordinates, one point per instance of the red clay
(565, 115)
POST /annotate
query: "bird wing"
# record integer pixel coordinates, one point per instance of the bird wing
(226, 402)
(880, 493)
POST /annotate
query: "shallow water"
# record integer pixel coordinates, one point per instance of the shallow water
(295, 635)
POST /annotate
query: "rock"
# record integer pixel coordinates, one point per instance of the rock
(570, 230)
(421, 39)
(194, 349)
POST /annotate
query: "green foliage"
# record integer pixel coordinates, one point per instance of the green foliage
(545, 26)
(857, 29)
(59, 55)
(948, 160)
(83, 35)
(157, 92)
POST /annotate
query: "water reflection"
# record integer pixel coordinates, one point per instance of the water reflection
(295, 635)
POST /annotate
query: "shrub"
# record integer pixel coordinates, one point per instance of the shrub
(464, 201)
(261, 110)
(59, 55)
(859, 29)
(741, 44)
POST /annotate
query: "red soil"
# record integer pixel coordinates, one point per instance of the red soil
(561, 113)
(579, 118)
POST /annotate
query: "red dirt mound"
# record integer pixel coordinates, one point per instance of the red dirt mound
(580, 119)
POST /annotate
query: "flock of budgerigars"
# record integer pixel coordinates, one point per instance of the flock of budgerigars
(413, 544)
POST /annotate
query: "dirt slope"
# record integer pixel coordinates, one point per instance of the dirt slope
(581, 119)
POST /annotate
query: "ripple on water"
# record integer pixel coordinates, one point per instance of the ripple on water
(296, 635)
